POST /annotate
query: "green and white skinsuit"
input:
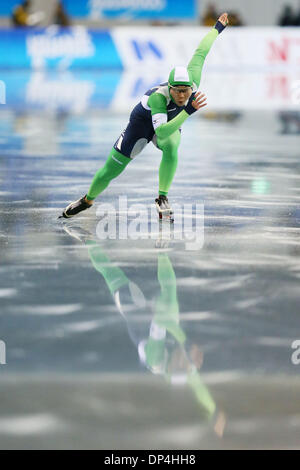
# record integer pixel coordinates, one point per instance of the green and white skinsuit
(156, 118)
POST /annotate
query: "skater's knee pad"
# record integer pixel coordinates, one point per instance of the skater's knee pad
(139, 145)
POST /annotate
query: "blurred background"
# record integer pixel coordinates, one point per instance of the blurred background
(76, 374)
(93, 53)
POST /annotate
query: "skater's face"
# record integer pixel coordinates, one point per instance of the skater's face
(180, 94)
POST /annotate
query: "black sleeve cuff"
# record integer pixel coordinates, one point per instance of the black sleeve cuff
(219, 27)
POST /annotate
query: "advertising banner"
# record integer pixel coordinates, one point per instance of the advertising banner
(77, 68)
(236, 48)
(126, 10)
(7, 6)
(137, 48)
(133, 9)
(58, 48)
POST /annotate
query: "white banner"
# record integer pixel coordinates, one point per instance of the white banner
(252, 49)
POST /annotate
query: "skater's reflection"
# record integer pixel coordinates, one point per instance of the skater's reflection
(160, 341)
(290, 122)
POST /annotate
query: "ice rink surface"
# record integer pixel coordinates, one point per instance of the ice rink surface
(144, 343)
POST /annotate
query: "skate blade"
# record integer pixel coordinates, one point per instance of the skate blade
(166, 217)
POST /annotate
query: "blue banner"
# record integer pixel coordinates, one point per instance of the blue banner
(133, 9)
(7, 6)
(59, 48)
(121, 9)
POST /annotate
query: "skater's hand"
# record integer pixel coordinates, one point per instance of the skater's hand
(222, 23)
(224, 19)
(196, 102)
(199, 101)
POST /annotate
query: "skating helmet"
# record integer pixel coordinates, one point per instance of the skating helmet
(180, 76)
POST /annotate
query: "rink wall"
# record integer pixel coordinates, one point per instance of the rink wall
(146, 47)
(77, 69)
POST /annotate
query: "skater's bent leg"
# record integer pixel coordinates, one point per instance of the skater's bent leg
(167, 169)
(115, 164)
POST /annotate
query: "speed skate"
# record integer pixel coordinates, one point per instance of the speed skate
(163, 208)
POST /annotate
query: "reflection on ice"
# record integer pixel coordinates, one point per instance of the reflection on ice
(28, 425)
(78, 91)
(142, 330)
(161, 343)
(8, 292)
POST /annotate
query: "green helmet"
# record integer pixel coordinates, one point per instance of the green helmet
(180, 76)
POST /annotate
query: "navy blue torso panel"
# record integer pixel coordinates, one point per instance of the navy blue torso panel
(139, 130)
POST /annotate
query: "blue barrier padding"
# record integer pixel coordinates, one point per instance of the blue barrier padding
(55, 47)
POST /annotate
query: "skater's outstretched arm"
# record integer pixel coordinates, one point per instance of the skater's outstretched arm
(196, 63)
